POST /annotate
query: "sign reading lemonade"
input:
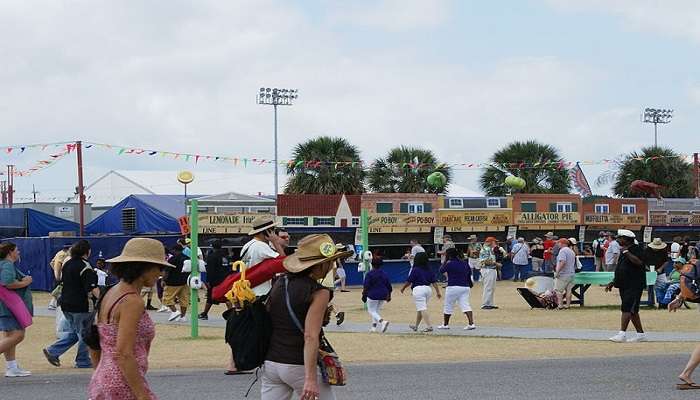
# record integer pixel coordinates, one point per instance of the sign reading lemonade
(226, 223)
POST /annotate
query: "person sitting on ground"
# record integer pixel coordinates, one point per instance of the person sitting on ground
(420, 280)
(459, 284)
(674, 282)
(125, 328)
(376, 292)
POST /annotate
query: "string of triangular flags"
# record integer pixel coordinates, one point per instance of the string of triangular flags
(245, 162)
(55, 156)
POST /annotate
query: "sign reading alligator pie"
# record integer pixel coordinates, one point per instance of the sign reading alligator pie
(547, 219)
(401, 223)
(226, 223)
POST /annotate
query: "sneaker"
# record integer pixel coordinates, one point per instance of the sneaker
(640, 337)
(427, 330)
(384, 326)
(52, 307)
(203, 317)
(341, 317)
(373, 329)
(470, 327)
(413, 328)
(173, 316)
(621, 337)
(443, 327)
(16, 373)
(53, 360)
(163, 309)
(181, 319)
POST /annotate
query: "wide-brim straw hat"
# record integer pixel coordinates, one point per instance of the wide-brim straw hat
(472, 237)
(313, 250)
(262, 223)
(657, 244)
(143, 250)
(549, 234)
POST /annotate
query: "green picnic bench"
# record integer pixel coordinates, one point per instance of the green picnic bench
(584, 280)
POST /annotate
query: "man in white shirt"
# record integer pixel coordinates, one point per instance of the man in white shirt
(520, 253)
(676, 248)
(564, 273)
(258, 249)
(612, 253)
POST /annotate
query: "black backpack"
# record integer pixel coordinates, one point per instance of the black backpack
(599, 250)
(248, 333)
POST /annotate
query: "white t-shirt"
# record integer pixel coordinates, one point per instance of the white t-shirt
(101, 277)
(254, 252)
(675, 251)
(569, 258)
(520, 254)
(612, 252)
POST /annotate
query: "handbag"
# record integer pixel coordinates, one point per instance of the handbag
(332, 371)
(15, 304)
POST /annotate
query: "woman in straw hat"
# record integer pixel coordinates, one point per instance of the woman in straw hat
(125, 329)
(656, 259)
(290, 365)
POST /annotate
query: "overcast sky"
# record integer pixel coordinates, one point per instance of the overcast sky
(461, 78)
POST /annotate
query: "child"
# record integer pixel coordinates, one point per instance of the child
(376, 291)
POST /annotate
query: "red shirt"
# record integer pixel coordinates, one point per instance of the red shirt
(548, 244)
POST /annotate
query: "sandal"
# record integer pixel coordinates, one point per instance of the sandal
(427, 330)
(687, 385)
(413, 328)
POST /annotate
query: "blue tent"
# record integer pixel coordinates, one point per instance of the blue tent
(153, 214)
(32, 223)
(36, 253)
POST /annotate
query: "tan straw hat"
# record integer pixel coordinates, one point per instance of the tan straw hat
(142, 250)
(657, 244)
(262, 223)
(313, 250)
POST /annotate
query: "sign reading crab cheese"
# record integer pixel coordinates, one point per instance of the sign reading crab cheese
(457, 221)
(547, 218)
(401, 223)
(226, 223)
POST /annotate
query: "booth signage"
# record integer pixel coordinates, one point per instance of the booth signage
(614, 219)
(539, 218)
(401, 223)
(674, 218)
(474, 218)
(226, 223)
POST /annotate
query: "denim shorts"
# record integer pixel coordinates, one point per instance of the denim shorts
(8, 324)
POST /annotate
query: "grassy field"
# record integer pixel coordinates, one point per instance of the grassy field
(174, 349)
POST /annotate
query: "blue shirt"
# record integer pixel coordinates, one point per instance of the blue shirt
(421, 277)
(377, 285)
(458, 273)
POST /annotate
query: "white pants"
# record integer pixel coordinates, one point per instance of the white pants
(457, 294)
(489, 279)
(280, 381)
(421, 295)
(373, 308)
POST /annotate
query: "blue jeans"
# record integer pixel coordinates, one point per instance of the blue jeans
(73, 333)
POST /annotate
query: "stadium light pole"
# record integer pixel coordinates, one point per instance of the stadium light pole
(276, 97)
(657, 116)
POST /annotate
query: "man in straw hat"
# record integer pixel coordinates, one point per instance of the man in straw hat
(630, 278)
(656, 259)
(487, 259)
(296, 333)
(264, 245)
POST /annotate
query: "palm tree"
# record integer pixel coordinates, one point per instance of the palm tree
(325, 165)
(405, 170)
(532, 161)
(658, 165)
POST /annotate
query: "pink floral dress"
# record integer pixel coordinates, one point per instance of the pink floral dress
(108, 382)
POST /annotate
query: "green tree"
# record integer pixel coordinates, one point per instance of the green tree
(659, 165)
(315, 167)
(541, 176)
(405, 170)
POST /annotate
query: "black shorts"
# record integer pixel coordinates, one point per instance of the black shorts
(631, 297)
(210, 287)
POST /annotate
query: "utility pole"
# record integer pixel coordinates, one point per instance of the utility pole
(34, 192)
(10, 184)
(3, 193)
(696, 174)
(81, 193)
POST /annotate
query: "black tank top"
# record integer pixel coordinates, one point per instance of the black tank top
(287, 342)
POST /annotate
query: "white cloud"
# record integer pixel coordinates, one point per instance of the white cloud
(392, 15)
(678, 18)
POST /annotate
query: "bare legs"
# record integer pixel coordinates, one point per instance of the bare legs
(690, 367)
(9, 342)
